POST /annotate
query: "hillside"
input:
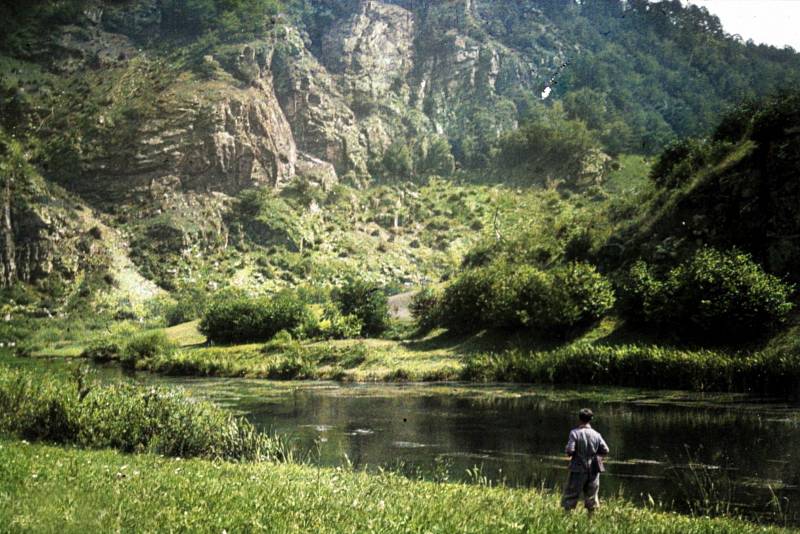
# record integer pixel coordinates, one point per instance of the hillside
(263, 145)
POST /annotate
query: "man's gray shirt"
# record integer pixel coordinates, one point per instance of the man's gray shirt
(584, 444)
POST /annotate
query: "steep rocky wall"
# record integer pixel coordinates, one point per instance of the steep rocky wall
(226, 140)
(373, 50)
(323, 124)
(57, 238)
(8, 252)
(401, 69)
(168, 145)
(384, 70)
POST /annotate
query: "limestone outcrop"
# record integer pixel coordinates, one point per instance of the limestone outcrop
(231, 139)
(323, 123)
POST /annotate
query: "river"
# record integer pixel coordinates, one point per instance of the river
(668, 448)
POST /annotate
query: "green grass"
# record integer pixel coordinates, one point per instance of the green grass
(771, 373)
(631, 175)
(51, 489)
(436, 356)
(74, 410)
(605, 355)
(186, 334)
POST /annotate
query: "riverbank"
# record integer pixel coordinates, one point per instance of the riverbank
(600, 357)
(46, 489)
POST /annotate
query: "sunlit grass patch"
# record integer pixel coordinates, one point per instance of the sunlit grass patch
(186, 334)
(45, 488)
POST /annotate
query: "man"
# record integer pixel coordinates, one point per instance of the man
(585, 447)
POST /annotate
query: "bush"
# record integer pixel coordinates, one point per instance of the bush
(425, 307)
(679, 161)
(365, 300)
(511, 296)
(465, 301)
(716, 295)
(587, 294)
(189, 305)
(768, 372)
(289, 311)
(103, 349)
(233, 317)
(126, 417)
(144, 346)
(334, 325)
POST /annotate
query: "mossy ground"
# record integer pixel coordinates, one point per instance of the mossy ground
(51, 489)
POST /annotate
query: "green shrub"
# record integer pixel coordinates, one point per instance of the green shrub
(773, 372)
(335, 325)
(588, 295)
(679, 161)
(189, 305)
(144, 346)
(716, 295)
(511, 296)
(289, 311)
(103, 349)
(519, 296)
(425, 307)
(126, 417)
(233, 317)
(465, 301)
(365, 300)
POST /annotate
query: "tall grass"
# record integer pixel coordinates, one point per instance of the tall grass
(43, 489)
(768, 372)
(126, 417)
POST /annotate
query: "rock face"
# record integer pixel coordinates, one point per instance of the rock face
(390, 70)
(323, 124)
(8, 251)
(384, 70)
(231, 139)
(162, 148)
(249, 143)
(39, 240)
(372, 50)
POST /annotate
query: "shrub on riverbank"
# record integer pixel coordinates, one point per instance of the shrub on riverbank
(125, 417)
(335, 325)
(233, 317)
(365, 300)
(130, 347)
(714, 294)
(512, 296)
(425, 308)
(189, 304)
(767, 373)
(145, 345)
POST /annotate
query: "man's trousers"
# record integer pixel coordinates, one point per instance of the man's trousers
(586, 483)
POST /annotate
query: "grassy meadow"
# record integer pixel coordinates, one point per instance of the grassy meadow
(45, 488)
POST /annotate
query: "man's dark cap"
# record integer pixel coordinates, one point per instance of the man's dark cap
(585, 415)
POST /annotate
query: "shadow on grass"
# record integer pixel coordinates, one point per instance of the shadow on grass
(481, 342)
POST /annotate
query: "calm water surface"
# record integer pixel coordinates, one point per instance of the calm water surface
(744, 451)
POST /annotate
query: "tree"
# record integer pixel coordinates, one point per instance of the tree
(436, 157)
(398, 162)
(365, 300)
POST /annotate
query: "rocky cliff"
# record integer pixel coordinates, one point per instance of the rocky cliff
(160, 135)
(159, 145)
